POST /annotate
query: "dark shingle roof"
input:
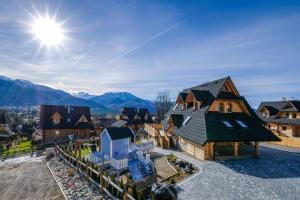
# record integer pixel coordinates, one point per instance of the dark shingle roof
(218, 132)
(119, 123)
(195, 130)
(199, 129)
(70, 116)
(131, 112)
(202, 95)
(227, 95)
(296, 103)
(177, 119)
(116, 133)
(213, 87)
(274, 107)
(183, 95)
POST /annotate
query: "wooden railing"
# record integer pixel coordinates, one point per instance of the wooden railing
(288, 141)
(88, 172)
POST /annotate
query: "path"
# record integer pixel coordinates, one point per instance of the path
(25, 178)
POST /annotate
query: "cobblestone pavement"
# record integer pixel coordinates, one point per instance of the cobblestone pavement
(276, 175)
(25, 178)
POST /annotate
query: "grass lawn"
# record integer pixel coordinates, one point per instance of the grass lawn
(23, 147)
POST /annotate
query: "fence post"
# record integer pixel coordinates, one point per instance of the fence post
(87, 170)
(124, 193)
(101, 181)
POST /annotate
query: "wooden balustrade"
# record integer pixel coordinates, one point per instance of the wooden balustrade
(88, 173)
(288, 141)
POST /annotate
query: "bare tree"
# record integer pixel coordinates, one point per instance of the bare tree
(162, 104)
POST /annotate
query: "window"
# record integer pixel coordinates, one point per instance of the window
(184, 105)
(68, 120)
(241, 123)
(294, 115)
(284, 128)
(229, 107)
(195, 106)
(187, 120)
(227, 124)
(221, 107)
(175, 107)
(287, 115)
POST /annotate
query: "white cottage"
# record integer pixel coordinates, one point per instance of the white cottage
(115, 144)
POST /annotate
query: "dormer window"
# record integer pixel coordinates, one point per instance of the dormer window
(229, 107)
(221, 107)
(265, 114)
(56, 117)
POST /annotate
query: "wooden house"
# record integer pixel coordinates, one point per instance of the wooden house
(135, 118)
(6, 134)
(158, 135)
(212, 119)
(57, 123)
(281, 117)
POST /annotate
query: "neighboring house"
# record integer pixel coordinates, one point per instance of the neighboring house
(212, 120)
(6, 134)
(281, 117)
(134, 118)
(115, 141)
(115, 144)
(158, 135)
(58, 122)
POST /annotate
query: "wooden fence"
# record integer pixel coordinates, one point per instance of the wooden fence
(288, 141)
(88, 172)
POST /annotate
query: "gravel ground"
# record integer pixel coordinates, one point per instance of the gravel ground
(27, 178)
(74, 187)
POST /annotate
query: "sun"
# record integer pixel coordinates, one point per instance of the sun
(48, 31)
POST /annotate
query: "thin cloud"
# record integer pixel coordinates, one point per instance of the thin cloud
(128, 51)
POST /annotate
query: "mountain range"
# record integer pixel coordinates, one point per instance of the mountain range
(25, 93)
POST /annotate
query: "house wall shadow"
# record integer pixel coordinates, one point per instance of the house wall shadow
(272, 164)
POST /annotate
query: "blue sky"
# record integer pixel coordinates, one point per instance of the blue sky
(149, 46)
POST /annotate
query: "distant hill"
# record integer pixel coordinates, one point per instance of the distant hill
(118, 100)
(83, 95)
(25, 93)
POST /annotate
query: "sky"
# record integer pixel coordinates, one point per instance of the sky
(145, 47)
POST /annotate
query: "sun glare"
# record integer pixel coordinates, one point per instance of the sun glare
(48, 31)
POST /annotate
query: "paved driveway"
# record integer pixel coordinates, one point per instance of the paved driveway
(276, 175)
(25, 178)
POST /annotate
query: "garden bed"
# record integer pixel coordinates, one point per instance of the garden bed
(183, 168)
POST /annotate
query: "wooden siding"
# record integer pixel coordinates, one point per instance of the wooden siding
(61, 135)
(288, 141)
(195, 150)
(236, 106)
